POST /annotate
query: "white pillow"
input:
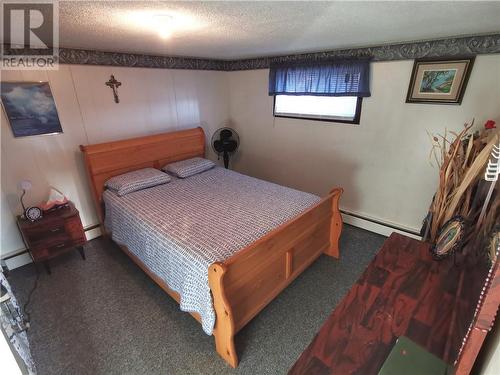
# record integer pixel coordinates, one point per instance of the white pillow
(137, 180)
(188, 167)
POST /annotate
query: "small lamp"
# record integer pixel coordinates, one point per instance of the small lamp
(24, 185)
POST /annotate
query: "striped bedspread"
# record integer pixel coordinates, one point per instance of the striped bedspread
(179, 229)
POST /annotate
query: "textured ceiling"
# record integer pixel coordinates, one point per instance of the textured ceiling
(230, 30)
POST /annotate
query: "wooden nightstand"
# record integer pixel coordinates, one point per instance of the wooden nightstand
(56, 233)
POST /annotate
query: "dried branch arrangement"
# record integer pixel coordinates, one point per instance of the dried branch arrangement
(462, 159)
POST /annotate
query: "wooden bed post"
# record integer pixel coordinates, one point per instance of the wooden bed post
(224, 323)
(336, 224)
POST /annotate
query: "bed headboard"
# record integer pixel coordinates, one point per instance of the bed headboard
(105, 160)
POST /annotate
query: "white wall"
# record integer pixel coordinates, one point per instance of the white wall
(11, 240)
(383, 163)
(151, 101)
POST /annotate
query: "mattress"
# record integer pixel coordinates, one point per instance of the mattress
(180, 228)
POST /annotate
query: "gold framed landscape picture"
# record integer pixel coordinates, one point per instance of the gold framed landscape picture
(439, 81)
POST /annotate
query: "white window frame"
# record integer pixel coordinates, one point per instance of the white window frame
(327, 118)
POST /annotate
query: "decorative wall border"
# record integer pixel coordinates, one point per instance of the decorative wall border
(472, 45)
(89, 57)
(449, 47)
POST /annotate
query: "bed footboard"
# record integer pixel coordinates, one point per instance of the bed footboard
(336, 223)
(245, 283)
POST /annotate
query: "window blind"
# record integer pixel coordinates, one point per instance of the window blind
(336, 78)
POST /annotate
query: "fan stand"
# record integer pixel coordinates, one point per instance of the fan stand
(225, 141)
(226, 159)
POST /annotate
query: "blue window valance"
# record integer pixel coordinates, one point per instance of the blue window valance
(335, 78)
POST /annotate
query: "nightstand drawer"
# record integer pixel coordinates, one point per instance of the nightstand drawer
(55, 249)
(51, 246)
(42, 234)
(54, 246)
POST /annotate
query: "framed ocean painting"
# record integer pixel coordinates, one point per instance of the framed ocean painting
(30, 108)
(439, 81)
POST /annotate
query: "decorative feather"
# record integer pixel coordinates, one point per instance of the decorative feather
(491, 175)
(461, 157)
(471, 176)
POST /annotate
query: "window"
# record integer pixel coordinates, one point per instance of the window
(321, 90)
(345, 109)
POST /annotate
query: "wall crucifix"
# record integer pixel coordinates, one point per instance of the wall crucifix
(114, 84)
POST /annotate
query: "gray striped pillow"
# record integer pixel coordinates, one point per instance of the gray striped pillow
(137, 180)
(189, 167)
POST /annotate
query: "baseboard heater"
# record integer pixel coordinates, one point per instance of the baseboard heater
(352, 218)
(25, 251)
(403, 230)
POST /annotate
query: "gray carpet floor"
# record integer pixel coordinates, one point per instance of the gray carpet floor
(105, 316)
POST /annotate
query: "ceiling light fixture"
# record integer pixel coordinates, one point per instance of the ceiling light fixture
(164, 23)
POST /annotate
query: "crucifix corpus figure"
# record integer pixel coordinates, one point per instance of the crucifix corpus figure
(114, 84)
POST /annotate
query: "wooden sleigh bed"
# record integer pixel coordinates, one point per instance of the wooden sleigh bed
(245, 283)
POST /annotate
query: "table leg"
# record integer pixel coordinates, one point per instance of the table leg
(81, 251)
(47, 267)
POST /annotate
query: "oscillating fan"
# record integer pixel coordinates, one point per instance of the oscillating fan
(225, 141)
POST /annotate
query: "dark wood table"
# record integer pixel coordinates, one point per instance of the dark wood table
(57, 232)
(403, 292)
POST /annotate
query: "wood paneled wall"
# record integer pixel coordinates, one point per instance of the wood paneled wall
(152, 101)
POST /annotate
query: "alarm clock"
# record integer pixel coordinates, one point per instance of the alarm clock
(33, 213)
